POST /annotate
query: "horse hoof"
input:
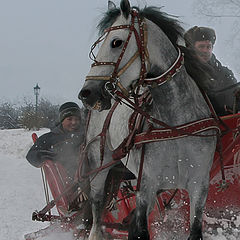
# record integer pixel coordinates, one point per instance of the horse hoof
(144, 235)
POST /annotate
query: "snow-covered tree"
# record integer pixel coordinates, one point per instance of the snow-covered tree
(8, 115)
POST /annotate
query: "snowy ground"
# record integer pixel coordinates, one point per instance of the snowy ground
(20, 185)
(22, 191)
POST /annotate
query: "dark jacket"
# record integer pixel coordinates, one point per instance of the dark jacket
(59, 146)
(223, 78)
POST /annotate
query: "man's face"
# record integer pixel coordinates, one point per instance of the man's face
(204, 50)
(71, 124)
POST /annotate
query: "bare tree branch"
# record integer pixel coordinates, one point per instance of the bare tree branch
(236, 2)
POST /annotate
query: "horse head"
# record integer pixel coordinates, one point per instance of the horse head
(132, 47)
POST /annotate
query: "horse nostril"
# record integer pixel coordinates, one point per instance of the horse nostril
(84, 94)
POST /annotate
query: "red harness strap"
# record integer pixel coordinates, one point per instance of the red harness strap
(104, 130)
(166, 76)
(176, 130)
(135, 126)
(192, 129)
(81, 176)
(127, 144)
(139, 177)
(82, 153)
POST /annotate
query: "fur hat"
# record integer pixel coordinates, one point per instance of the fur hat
(69, 109)
(199, 34)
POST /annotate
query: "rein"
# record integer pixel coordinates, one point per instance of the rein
(83, 156)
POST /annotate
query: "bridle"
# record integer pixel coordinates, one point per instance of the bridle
(112, 81)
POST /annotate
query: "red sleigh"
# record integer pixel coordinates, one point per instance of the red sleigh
(222, 204)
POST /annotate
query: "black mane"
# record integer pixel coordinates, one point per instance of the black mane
(199, 71)
(168, 23)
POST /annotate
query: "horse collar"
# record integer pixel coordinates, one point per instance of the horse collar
(169, 74)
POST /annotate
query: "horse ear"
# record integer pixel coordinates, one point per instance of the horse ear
(111, 5)
(125, 8)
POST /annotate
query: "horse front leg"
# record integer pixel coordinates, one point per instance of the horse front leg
(198, 198)
(139, 225)
(97, 202)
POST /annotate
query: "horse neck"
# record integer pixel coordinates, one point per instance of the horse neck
(162, 53)
(179, 100)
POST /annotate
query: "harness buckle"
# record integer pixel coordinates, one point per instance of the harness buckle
(110, 88)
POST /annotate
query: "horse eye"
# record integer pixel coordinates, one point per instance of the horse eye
(116, 43)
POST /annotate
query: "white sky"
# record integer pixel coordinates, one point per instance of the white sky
(47, 42)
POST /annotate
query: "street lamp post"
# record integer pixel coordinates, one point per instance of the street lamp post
(36, 93)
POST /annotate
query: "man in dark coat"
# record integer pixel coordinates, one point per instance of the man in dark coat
(201, 40)
(62, 144)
